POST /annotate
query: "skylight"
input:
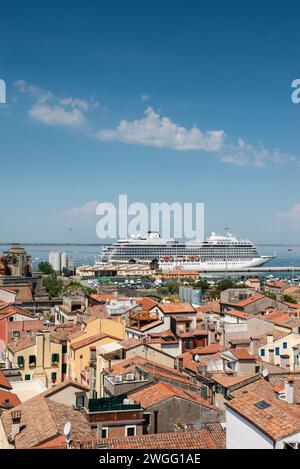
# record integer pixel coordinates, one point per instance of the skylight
(263, 405)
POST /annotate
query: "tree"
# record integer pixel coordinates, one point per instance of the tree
(290, 299)
(45, 268)
(270, 294)
(53, 285)
(224, 284)
(202, 284)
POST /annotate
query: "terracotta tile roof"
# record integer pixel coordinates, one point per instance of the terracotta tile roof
(165, 337)
(88, 341)
(104, 297)
(99, 311)
(42, 420)
(293, 305)
(253, 280)
(281, 318)
(277, 421)
(209, 349)
(277, 334)
(159, 392)
(211, 307)
(23, 292)
(173, 308)
(261, 388)
(10, 311)
(276, 284)
(21, 344)
(251, 299)
(128, 365)
(4, 383)
(238, 314)
(242, 354)
(130, 343)
(228, 381)
(145, 327)
(199, 439)
(292, 289)
(208, 352)
(63, 385)
(146, 303)
(239, 341)
(64, 332)
(8, 399)
(217, 433)
(181, 318)
(188, 363)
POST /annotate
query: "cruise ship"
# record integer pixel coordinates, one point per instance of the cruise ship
(215, 254)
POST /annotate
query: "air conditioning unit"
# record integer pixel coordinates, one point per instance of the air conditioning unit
(130, 377)
(118, 379)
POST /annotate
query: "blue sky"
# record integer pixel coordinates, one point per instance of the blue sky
(203, 92)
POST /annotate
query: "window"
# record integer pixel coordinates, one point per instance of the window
(53, 376)
(80, 400)
(27, 377)
(262, 352)
(64, 349)
(64, 368)
(130, 430)
(55, 358)
(32, 360)
(20, 361)
(262, 405)
(104, 432)
(284, 345)
(257, 369)
(277, 351)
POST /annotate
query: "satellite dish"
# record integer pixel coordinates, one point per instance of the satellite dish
(67, 431)
(265, 372)
(197, 357)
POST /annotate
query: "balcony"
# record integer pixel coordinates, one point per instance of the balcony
(108, 404)
(113, 409)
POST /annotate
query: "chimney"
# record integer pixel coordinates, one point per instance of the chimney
(254, 345)
(16, 423)
(211, 336)
(47, 350)
(270, 339)
(180, 363)
(39, 340)
(271, 356)
(289, 390)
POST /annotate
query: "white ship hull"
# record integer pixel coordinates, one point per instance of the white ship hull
(229, 266)
(215, 254)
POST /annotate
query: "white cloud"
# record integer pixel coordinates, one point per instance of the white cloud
(56, 110)
(161, 132)
(87, 209)
(293, 214)
(56, 115)
(151, 130)
(156, 131)
(245, 154)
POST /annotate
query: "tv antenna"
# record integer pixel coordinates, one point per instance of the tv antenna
(265, 372)
(67, 432)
